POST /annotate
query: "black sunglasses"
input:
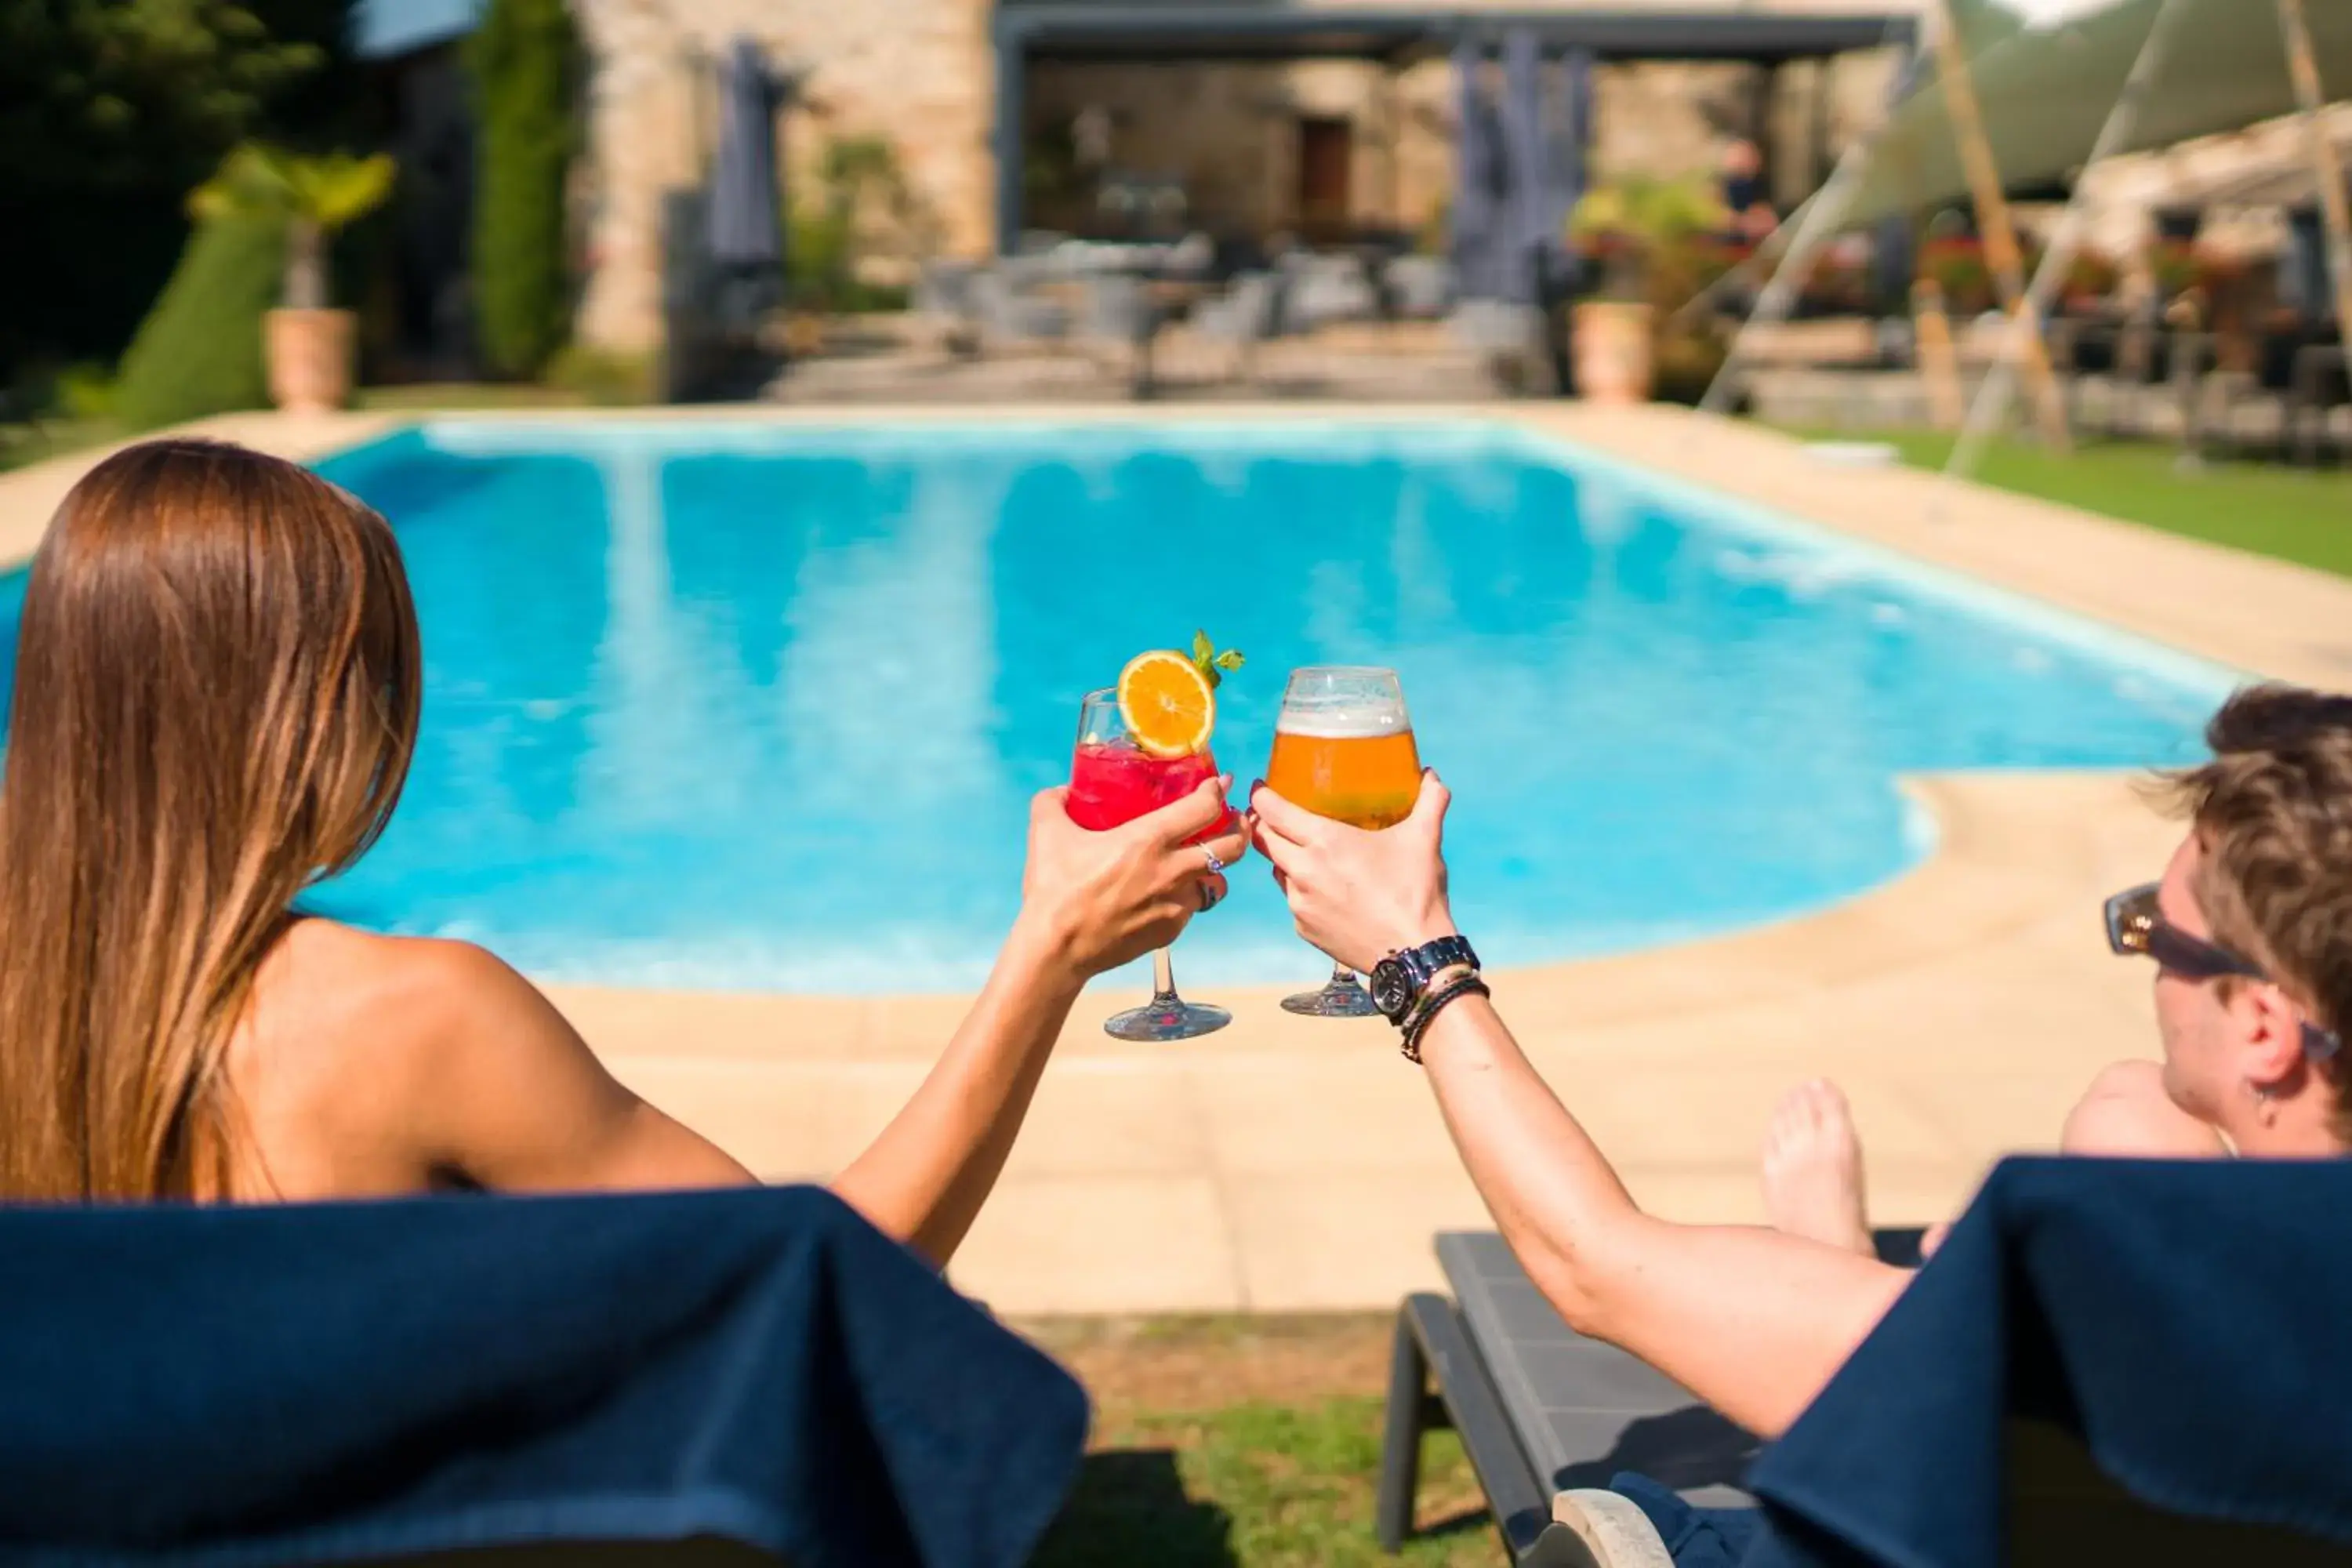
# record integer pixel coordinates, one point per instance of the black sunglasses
(2137, 929)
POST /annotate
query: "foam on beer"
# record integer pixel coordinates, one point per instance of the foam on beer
(1346, 721)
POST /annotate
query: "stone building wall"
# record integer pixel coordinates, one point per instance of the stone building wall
(921, 72)
(1229, 133)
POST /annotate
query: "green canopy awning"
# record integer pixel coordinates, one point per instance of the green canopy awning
(2049, 71)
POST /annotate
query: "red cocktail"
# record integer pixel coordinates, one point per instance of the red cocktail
(1113, 781)
(1112, 784)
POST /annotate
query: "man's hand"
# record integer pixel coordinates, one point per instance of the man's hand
(1359, 896)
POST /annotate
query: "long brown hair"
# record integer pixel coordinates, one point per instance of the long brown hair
(216, 692)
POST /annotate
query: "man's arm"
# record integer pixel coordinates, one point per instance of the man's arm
(1750, 1321)
(1753, 1322)
(1090, 901)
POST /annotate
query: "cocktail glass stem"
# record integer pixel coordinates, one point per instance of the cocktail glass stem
(1167, 1016)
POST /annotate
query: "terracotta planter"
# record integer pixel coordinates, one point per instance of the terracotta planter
(310, 358)
(805, 334)
(1612, 352)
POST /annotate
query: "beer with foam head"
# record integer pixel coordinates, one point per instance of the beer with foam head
(1359, 768)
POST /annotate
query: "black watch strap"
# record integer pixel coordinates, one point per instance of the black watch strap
(1431, 959)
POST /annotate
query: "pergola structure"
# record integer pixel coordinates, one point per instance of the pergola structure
(1028, 33)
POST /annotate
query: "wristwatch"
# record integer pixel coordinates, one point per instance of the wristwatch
(1400, 980)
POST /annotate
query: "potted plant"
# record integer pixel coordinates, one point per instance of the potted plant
(1957, 263)
(1633, 229)
(2091, 281)
(308, 343)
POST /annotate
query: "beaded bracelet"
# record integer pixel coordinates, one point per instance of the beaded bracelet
(1417, 1025)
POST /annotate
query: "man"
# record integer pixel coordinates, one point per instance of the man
(1742, 185)
(2250, 928)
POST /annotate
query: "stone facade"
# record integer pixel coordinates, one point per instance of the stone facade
(1231, 133)
(922, 74)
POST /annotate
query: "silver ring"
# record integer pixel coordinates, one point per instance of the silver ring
(1215, 864)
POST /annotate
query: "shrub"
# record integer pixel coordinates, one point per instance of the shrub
(84, 392)
(603, 376)
(199, 351)
(523, 60)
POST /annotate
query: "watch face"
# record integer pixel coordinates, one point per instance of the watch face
(1392, 988)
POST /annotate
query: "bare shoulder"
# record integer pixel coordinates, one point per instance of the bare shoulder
(392, 993)
(2126, 1113)
(388, 1063)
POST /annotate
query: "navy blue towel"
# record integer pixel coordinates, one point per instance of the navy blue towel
(315, 1382)
(2190, 1324)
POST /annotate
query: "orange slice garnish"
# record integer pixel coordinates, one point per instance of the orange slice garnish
(1167, 704)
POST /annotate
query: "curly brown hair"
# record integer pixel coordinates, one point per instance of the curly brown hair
(2273, 811)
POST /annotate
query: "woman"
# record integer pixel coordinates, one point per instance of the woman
(2251, 929)
(216, 702)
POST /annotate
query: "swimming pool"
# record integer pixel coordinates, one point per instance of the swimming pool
(762, 706)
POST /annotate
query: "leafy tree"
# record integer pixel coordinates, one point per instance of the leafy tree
(110, 110)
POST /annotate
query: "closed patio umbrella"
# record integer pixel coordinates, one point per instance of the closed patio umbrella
(1571, 147)
(1479, 222)
(745, 227)
(1533, 220)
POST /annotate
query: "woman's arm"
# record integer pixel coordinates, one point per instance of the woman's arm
(1090, 901)
(1750, 1321)
(504, 1091)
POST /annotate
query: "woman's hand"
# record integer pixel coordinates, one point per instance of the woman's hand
(1359, 896)
(1099, 900)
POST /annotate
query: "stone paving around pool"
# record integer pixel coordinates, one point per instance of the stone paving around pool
(1295, 1164)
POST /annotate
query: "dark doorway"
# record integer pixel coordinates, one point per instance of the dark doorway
(1326, 150)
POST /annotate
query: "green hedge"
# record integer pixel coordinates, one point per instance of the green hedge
(199, 351)
(522, 63)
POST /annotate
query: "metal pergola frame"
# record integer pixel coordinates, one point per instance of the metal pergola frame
(1215, 32)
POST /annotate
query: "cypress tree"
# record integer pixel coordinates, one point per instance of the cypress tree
(199, 351)
(522, 59)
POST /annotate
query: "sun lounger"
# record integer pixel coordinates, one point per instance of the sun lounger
(693, 1379)
(2119, 1361)
(1541, 1409)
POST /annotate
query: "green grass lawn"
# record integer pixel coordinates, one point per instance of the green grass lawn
(1260, 1485)
(1241, 1441)
(2270, 509)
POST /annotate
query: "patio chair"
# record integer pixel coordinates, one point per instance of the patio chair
(1541, 1409)
(2322, 386)
(1421, 288)
(2108, 1361)
(1242, 318)
(947, 296)
(1122, 321)
(1011, 315)
(684, 1378)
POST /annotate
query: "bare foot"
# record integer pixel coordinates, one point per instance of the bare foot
(1813, 1169)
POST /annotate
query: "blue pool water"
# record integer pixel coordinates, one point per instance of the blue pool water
(758, 707)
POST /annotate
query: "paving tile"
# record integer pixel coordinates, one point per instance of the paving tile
(1101, 1244)
(1349, 1240)
(785, 1121)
